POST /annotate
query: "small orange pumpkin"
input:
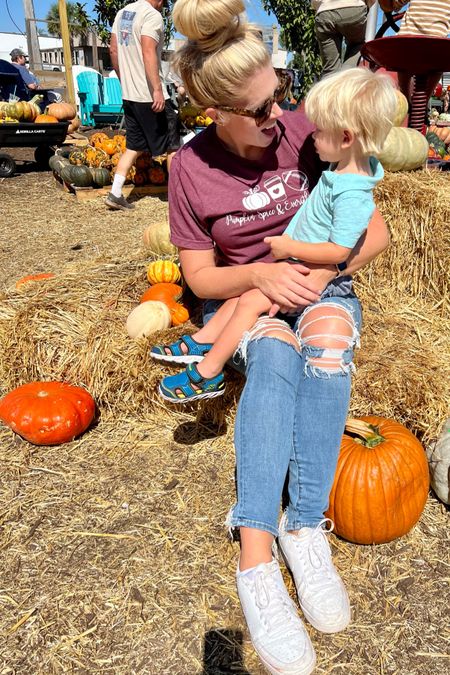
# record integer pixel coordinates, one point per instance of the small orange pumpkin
(381, 482)
(109, 146)
(47, 413)
(45, 119)
(120, 141)
(163, 271)
(98, 137)
(178, 313)
(167, 293)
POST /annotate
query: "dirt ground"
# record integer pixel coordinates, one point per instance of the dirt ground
(153, 601)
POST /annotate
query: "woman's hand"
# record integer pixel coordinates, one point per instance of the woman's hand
(289, 286)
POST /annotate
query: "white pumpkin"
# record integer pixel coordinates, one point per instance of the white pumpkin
(157, 239)
(402, 109)
(439, 463)
(403, 150)
(147, 318)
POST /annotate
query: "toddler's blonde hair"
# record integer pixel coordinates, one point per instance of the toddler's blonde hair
(358, 100)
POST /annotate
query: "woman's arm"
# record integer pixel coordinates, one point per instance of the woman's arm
(373, 242)
(287, 284)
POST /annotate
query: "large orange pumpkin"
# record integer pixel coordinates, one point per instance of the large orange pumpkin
(62, 111)
(47, 413)
(381, 482)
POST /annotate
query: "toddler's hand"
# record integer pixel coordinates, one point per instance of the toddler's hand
(279, 246)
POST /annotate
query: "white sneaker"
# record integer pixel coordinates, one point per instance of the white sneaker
(276, 630)
(321, 593)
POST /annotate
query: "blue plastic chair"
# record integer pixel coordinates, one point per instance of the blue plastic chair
(113, 91)
(100, 99)
(90, 92)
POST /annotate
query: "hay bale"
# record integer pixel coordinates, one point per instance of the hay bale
(403, 366)
(416, 207)
(73, 327)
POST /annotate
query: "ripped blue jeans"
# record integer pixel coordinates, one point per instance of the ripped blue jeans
(291, 414)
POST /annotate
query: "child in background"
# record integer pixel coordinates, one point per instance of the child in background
(424, 17)
(353, 112)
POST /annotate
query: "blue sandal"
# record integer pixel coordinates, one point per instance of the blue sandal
(195, 353)
(189, 385)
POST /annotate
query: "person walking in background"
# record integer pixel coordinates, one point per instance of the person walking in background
(336, 21)
(150, 118)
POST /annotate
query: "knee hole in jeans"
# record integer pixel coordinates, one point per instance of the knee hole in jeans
(268, 327)
(327, 334)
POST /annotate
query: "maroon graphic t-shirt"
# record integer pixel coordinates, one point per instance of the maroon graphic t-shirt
(218, 199)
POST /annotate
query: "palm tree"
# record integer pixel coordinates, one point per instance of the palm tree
(77, 18)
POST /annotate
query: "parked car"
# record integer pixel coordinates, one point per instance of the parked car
(52, 66)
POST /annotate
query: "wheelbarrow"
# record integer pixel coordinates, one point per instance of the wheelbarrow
(43, 137)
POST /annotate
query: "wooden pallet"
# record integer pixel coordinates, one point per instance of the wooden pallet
(86, 193)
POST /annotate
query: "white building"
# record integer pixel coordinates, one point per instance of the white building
(52, 50)
(10, 41)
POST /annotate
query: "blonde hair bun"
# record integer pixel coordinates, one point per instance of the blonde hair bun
(209, 23)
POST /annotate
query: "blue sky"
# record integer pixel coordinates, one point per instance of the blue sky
(254, 10)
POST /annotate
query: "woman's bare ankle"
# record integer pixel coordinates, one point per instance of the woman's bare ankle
(256, 548)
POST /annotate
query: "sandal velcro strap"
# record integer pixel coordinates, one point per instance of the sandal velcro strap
(194, 375)
(185, 350)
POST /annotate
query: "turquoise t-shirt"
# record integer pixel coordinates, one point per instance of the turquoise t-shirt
(338, 209)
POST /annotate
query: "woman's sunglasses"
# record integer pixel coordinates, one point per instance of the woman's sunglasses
(262, 114)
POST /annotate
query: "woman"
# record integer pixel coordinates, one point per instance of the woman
(237, 182)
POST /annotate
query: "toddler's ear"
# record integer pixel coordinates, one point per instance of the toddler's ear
(348, 138)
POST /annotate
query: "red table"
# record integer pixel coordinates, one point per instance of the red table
(416, 55)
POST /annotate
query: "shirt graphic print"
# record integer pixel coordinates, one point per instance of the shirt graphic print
(126, 28)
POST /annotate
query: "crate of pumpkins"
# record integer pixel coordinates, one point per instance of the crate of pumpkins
(94, 165)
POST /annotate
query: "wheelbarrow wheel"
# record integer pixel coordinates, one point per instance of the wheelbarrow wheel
(7, 165)
(42, 154)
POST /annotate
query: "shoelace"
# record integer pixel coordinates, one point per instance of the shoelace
(317, 552)
(275, 606)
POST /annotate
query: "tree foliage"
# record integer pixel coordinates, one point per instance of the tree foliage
(296, 19)
(106, 11)
(77, 18)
